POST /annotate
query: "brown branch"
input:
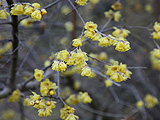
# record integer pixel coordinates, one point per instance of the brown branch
(13, 67)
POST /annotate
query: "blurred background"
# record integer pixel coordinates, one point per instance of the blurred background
(39, 41)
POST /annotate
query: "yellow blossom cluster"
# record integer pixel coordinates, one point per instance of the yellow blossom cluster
(156, 33)
(80, 98)
(38, 74)
(48, 87)
(44, 106)
(117, 72)
(77, 43)
(15, 96)
(77, 57)
(25, 9)
(155, 59)
(151, 101)
(113, 15)
(120, 32)
(120, 42)
(81, 2)
(67, 113)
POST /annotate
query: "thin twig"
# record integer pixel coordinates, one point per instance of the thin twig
(77, 11)
(101, 113)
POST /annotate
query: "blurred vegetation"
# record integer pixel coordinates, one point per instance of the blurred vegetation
(44, 38)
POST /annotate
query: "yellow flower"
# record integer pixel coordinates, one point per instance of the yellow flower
(117, 16)
(156, 35)
(151, 101)
(28, 10)
(59, 66)
(66, 112)
(89, 34)
(77, 85)
(86, 71)
(117, 6)
(62, 54)
(26, 102)
(104, 42)
(120, 32)
(81, 2)
(17, 9)
(84, 97)
(3, 14)
(148, 8)
(117, 72)
(47, 63)
(96, 36)
(156, 26)
(69, 26)
(43, 11)
(62, 66)
(37, 5)
(140, 104)
(36, 15)
(123, 46)
(91, 26)
(77, 42)
(103, 56)
(72, 99)
(108, 83)
(27, 22)
(47, 86)
(34, 97)
(15, 96)
(38, 74)
(109, 14)
(65, 9)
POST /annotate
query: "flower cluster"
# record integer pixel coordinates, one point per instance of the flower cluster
(107, 40)
(81, 2)
(120, 32)
(76, 57)
(151, 101)
(25, 9)
(38, 74)
(156, 33)
(80, 98)
(155, 59)
(67, 113)
(113, 15)
(117, 72)
(48, 87)
(15, 96)
(44, 107)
